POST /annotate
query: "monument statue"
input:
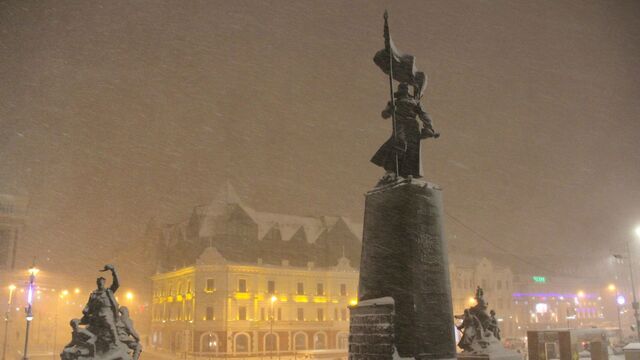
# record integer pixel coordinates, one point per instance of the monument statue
(400, 155)
(481, 334)
(404, 305)
(108, 333)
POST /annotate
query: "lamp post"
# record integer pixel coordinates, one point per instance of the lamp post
(6, 321)
(273, 300)
(29, 309)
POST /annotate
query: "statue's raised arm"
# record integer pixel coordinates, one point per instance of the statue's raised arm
(115, 283)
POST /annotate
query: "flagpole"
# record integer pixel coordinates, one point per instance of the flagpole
(387, 46)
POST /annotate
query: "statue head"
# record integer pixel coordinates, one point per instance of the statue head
(403, 91)
(101, 282)
(492, 312)
(74, 323)
(124, 312)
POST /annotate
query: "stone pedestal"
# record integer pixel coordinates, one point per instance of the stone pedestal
(404, 257)
(371, 330)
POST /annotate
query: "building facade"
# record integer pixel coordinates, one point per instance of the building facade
(234, 280)
(216, 306)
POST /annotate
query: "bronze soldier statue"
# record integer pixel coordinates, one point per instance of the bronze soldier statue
(101, 310)
(412, 124)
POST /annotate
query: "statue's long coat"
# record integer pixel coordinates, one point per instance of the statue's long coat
(410, 120)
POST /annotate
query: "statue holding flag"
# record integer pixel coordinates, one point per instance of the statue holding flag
(400, 155)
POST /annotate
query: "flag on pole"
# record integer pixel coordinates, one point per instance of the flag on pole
(404, 67)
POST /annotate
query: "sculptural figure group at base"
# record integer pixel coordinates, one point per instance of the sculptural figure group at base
(108, 331)
(479, 328)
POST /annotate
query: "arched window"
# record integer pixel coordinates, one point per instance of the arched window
(342, 340)
(271, 342)
(320, 341)
(242, 343)
(300, 341)
(209, 343)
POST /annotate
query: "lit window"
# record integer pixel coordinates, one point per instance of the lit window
(242, 285)
(320, 289)
(300, 314)
(300, 289)
(271, 286)
(209, 314)
(343, 289)
(320, 315)
(211, 285)
(242, 313)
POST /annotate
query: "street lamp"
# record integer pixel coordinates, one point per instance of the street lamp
(33, 271)
(634, 304)
(273, 300)
(12, 288)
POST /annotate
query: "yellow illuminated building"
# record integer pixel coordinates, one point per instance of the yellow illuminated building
(217, 306)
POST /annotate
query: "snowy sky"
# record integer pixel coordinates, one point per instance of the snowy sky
(114, 112)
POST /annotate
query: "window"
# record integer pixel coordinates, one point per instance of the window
(262, 314)
(242, 285)
(242, 343)
(300, 341)
(335, 314)
(300, 290)
(279, 314)
(270, 342)
(343, 314)
(320, 316)
(242, 313)
(271, 286)
(211, 285)
(209, 313)
(343, 289)
(320, 341)
(320, 289)
(300, 314)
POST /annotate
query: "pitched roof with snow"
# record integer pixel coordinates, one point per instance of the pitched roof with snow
(288, 225)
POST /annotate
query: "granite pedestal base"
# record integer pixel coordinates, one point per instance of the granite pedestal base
(404, 258)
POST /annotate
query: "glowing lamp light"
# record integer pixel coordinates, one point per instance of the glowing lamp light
(353, 302)
(611, 287)
(621, 300)
(637, 231)
(580, 294)
(12, 287)
(274, 299)
(129, 295)
(65, 292)
(34, 271)
(77, 291)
